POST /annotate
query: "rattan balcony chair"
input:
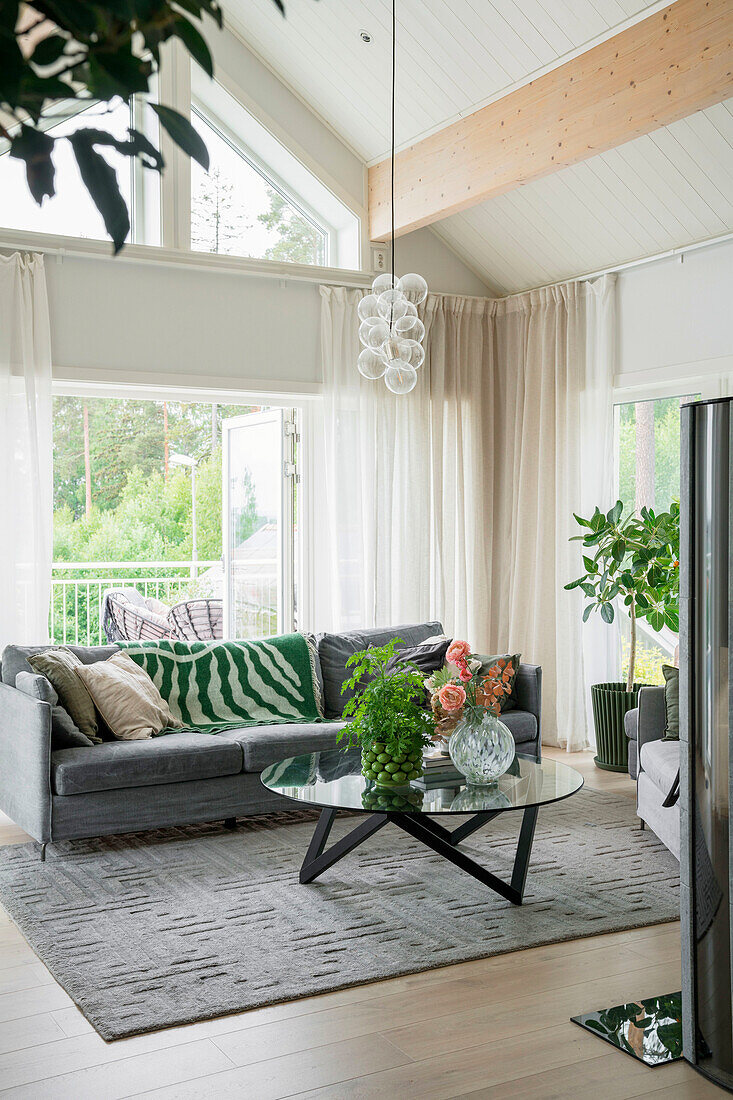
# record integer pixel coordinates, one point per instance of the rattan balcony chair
(128, 616)
(198, 620)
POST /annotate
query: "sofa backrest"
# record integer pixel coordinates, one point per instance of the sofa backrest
(335, 649)
(15, 657)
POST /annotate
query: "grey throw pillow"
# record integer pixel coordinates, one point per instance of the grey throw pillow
(64, 734)
(427, 657)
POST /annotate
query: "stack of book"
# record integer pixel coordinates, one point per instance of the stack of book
(438, 771)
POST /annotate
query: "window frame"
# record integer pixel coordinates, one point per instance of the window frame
(144, 184)
(169, 233)
(656, 385)
(270, 178)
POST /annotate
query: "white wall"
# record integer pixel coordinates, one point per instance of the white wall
(188, 327)
(147, 322)
(676, 318)
(423, 251)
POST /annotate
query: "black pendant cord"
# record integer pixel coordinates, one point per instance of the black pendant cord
(394, 71)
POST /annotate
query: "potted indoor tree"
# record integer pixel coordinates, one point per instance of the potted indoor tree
(634, 560)
(388, 716)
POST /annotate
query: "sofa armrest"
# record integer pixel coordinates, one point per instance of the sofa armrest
(528, 693)
(25, 761)
(652, 715)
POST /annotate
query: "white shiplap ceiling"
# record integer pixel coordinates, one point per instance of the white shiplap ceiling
(452, 56)
(667, 189)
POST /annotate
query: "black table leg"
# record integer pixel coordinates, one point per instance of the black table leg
(471, 826)
(524, 850)
(317, 861)
(513, 891)
(431, 834)
(439, 830)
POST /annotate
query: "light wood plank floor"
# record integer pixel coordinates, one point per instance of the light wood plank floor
(493, 1029)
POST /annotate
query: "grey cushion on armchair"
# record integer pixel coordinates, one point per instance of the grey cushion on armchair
(631, 726)
(644, 723)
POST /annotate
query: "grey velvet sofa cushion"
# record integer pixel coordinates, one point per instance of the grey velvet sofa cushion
(264, 745)
(523, 726)
(661, 762)
(174, 758)
(15, 657)
(631, 724)
(335, 649)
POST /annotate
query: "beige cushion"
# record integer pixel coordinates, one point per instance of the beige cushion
(59, 666)
(126, 697)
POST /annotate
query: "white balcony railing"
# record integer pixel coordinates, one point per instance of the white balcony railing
(77, 590)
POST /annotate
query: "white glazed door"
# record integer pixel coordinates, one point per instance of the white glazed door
(258, 530)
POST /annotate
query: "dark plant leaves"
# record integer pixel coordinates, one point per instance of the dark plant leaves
(74, 15)
(119, 74)
(195, 44)
(34, 147)
(136, 146)
(100, 180)
(36, 91)
(183, 133)
(197, 8)
(12, 67)
(96, 39)
(49, 50)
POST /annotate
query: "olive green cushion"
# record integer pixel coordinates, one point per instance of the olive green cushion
(59, 667)
(487, 663)
(64, 734)
(672, 702)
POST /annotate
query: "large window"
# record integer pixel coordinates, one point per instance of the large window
(648, 452)
(261, 199)
(236, 210)
(178, 501)
(648, 475)
(71, 211)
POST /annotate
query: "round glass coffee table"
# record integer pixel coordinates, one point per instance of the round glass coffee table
(333, 781)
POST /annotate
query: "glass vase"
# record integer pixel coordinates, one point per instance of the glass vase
(481, 747)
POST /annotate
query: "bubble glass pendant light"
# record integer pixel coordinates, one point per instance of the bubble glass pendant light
(390, 329)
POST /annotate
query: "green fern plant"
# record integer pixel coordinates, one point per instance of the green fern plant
(389, 705)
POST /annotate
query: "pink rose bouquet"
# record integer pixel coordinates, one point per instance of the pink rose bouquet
(452, 697)
(457, 652)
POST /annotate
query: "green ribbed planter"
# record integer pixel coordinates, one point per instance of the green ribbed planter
(611, 702)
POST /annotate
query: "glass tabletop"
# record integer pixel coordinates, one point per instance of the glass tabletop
(333, 780)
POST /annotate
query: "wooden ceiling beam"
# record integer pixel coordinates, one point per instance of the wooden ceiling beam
(662, 69)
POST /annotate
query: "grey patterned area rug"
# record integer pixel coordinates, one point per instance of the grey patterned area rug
(149, 930)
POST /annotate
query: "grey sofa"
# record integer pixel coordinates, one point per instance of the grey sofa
(182, 778)
(654, 764)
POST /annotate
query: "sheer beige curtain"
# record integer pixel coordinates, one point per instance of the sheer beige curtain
(456, 500)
